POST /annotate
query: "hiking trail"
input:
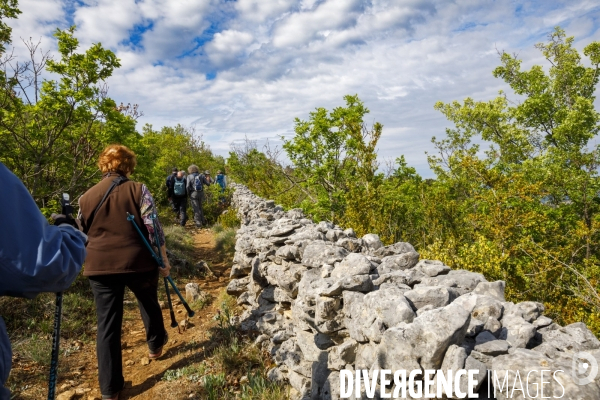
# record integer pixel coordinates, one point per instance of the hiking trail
(78, 372)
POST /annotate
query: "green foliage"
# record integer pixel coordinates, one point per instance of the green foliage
(216, 202)
(264, 174)
(225, 241)
(229, 219)
(516, 195)
(160, 151)
(333, 153)
(525, 210)
(53, 130)
(8, 9)
(192, 373)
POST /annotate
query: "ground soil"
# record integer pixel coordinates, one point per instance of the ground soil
(78, 371)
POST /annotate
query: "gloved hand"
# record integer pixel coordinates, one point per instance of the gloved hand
(66, 219)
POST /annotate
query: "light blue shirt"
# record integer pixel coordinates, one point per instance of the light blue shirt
(34, 255)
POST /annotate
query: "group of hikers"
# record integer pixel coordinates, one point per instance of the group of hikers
(38, 257)
(180, 187)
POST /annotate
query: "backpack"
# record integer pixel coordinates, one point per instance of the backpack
(179, 187)
(198, 184)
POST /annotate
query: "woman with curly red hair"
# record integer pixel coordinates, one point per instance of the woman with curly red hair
(117, 258)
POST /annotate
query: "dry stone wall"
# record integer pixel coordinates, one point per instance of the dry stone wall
(323, 300)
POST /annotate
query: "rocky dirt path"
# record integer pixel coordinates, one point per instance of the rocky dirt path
(144, 378)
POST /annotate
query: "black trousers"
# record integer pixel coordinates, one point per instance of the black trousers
(108, 292)
(180, 204)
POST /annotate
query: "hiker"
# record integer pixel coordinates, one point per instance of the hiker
(169, 185)
(207, 178)
(180, 197)
(221, 180)
(34, 256)
(195, 187)
(117, 258)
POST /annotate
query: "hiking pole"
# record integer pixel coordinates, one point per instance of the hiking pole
(162, 264)
(66, 209)
(159, 262)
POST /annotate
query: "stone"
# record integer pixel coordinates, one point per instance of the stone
(523, 361)
(192, 291)
(484, 337)
(299, 382)
(516, 331)
(288, 252)
(365, 356)
(494, 289)
(461, 280)
(258, 273)
(351, 244)
(472, 364)
(398, 262)
(306, 342)
(487, 306)
(238, 286)
(475, 327)
(432, 267)
(396, 248)
(493, 326)
(542, 321)
(430, 336)
(529, 310)
(454, 360)
(318, 254)
(341, 355)
(144, 361)
(356, 283)
(327, 308)
(237, 271)
(493, 347)
(331, 388)
(572, 338)
(283, 229)
(426, 308)
(400, 279)
(437, 296)
(352, 264)
(372, 241)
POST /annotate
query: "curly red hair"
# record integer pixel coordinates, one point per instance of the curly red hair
(117, 158)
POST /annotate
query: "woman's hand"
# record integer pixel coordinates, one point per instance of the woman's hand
(164, 272)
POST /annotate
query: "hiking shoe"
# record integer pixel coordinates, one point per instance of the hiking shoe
(159, 352)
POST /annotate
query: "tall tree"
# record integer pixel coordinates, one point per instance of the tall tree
(528, 198)
(54, 129)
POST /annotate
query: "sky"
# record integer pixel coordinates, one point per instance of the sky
(248, 68)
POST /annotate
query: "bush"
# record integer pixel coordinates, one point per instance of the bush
(225, 241)
(229, 219)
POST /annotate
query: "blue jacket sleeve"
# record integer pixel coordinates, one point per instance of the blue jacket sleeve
(34, 255)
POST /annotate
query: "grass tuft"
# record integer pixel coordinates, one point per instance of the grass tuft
(225, 242)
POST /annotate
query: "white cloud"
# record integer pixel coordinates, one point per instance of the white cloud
(279, 59)
(227, 46)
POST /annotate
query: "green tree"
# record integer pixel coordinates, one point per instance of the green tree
(54, 129)
(332, 153)
(159, 151)
(526, 202)
(8, 10)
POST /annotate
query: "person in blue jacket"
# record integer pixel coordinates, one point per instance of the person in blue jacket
(221, 180)
(34, 255)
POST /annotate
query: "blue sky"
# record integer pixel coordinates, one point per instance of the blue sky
(247, 68)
